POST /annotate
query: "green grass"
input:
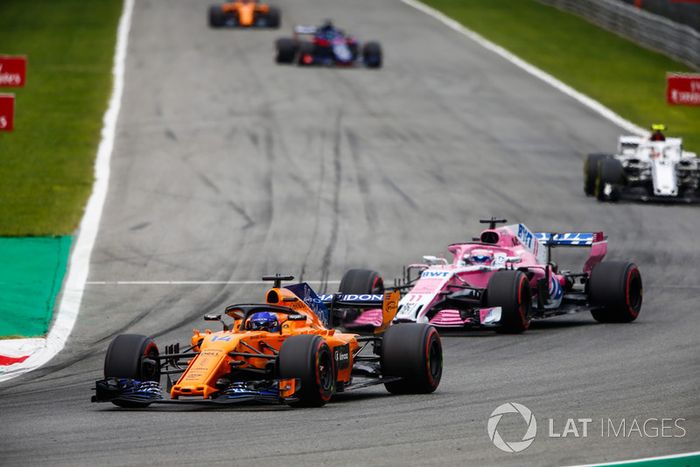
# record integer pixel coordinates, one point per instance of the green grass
(628, 79)
(46, 163)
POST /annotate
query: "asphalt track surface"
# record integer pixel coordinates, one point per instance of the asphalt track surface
(228, 166)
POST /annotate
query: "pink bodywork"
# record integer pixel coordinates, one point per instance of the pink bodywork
(503, 243)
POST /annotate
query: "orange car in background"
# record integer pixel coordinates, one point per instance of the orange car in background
(283, 351)
(244, 13)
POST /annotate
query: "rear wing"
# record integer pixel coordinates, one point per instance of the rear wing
(299, 29)
(388, 302)
(581, 239)
(595, 240)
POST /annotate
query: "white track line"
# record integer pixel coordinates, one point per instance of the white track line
(197, 282)
(646, 459)
(79, 264)
(534, 71)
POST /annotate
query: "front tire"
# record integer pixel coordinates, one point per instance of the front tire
(308, 358)
(590, 172)
(132, 356)
(511, 291)
(414, 353)
(372, 55)
(610, 174)
(615, 292)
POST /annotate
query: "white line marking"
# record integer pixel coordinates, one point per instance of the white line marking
(646, 459)
(196, 282)
(534, 71)
(79, 265)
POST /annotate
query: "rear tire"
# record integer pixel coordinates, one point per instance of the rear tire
(372, 55)
(273, 17)
(216, 16)
(615, 292)
(511, 291)
(361, 281)
(610, 172)
(590, 172)
(413, 352)
(308, 357)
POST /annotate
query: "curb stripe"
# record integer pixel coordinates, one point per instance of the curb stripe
(79, 265)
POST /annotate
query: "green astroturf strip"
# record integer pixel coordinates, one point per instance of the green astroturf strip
(692, 460)
(628, 79)
(46, 163)
(31, 274)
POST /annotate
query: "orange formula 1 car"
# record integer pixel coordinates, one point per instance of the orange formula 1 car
(280, 351)
(244, 13)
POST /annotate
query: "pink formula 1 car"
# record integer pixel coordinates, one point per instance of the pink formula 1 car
(505, 278)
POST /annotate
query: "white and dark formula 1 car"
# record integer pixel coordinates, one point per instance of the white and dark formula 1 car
(647, 169)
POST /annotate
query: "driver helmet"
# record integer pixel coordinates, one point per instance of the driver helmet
(480, 256)
(264, 321)
(658, 132)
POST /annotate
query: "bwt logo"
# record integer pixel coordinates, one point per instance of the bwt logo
(495, 435)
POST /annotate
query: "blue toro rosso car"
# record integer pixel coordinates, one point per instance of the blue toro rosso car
(326, 45)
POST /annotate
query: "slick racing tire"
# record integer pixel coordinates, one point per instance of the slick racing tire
(413, 352)
(358, 281)
(361, 281)
(286, 50)
(610, 172)
(615, 292)
(132, 356)
(273, 17)
(217, 18)
(306, 53)
(590, 172)
(511, 291)
(372, 55)
(308, 357)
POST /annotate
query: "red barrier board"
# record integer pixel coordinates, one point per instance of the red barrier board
(7, 112)
(13, 71)
(683, 89)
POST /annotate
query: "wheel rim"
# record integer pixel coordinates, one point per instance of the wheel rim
(524, 302)
(325, 373)
(150, 372)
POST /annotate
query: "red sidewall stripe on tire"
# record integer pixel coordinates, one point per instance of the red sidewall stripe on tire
(628, 282)
(427, 354)
(317, 369)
